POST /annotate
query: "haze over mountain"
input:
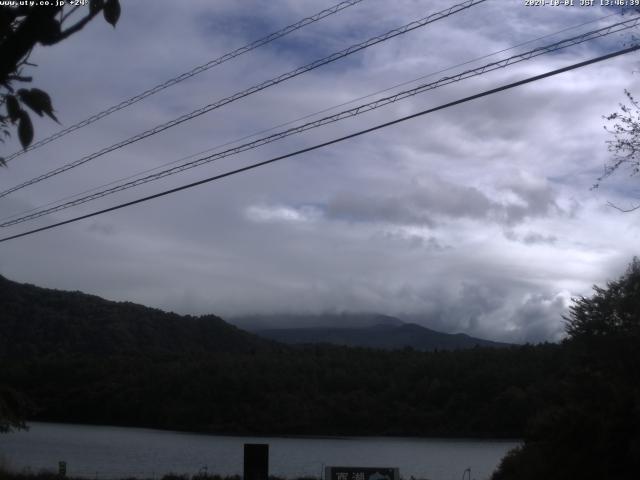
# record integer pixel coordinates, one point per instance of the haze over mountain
(254, 323)
(39, 321)
(384, 336)
(369, 330)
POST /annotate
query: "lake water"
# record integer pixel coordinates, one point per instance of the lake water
(108, 452)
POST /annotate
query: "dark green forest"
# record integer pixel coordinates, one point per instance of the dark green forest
(590, 429)
(575, 404)
(319, 390)
(80, 358)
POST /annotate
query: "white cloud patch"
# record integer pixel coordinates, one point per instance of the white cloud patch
(263, 213)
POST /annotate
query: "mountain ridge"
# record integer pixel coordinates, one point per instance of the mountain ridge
(381, 336)
(38, 321)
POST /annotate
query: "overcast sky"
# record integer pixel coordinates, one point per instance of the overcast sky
(476, 219)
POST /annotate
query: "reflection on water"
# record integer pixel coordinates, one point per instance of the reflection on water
(109, 452)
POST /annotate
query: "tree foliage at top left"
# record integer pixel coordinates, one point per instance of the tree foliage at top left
(22, 28)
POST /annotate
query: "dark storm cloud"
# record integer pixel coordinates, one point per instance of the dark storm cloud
(538, 200)
(500, 312)
(537, 319)
(433, 198)
(421, 206)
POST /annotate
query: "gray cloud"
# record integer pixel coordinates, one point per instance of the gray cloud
(538, 200)
(424, 202)
(478, 218)
(530, 238)
(538, 319)
(500, 312)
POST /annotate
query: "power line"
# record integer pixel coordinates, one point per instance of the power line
(310, 115)
(256, 88)
(330, 142)
(191, 73)
(617, 27)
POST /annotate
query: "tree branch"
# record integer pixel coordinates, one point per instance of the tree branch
(68, 14)
(16, 46)
(78, 25)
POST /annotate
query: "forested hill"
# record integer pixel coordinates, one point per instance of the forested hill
(38, 321)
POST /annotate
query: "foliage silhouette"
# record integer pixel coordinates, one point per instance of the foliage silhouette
(22, 28)
(591, 430)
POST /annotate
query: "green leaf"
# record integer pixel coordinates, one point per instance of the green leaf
(48, 31)
(111, 12)
(6, 18)
(25, 129)
(95, 5)
(13, 108)
(38, 101)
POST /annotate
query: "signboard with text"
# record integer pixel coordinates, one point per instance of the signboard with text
(361, 473)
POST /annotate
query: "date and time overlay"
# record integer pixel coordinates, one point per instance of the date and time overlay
(526, 3)
(581, 3)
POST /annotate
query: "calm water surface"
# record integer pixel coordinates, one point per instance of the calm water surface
(108, 452)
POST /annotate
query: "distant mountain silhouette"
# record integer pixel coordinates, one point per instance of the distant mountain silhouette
(38, 321)
(391, 335)
(255, 323)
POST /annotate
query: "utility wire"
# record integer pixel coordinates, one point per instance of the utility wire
(291, 122)
(310, 115)
(256, 88)
(191, 73)
(620, 26)
(330, 142)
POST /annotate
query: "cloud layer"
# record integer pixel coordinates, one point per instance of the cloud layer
(478, 218)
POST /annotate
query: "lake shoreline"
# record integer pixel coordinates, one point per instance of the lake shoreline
(442, 438)
(50, 475)
(114, 452)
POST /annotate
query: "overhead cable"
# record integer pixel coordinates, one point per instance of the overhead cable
(296, 120)
(256, 88)
(191, 73)
(330, 142)
(352, 112)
